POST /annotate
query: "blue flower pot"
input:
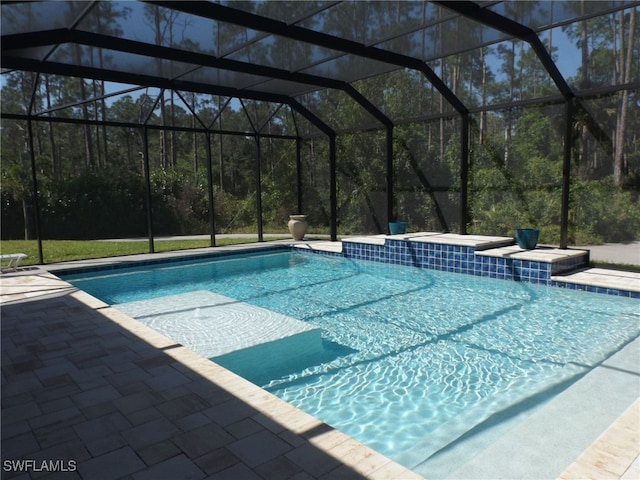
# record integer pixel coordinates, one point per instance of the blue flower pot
(397, 228)
(527, 238)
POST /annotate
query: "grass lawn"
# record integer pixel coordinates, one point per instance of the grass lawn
(626, 267)
(65, 250)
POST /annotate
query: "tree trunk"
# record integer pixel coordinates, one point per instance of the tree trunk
(163, 134)
(584, 46)
(52, 141)
(88, 143)
(508, 115)
(443, 77)
(195, 151)
(100, 159)
(77, 57)
(483, 87)
(163, 120)
(583, 156)
(621, 118)
(195, 139)
(26, 215)
(105, 140)
(220, 150)
(172, 133)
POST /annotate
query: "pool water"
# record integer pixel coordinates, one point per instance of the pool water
(413, 358)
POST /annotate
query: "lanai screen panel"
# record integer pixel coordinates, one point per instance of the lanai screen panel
(361, 174)
(605, 161)
(228, 45)
(516, 170)
(427, 175)
(312, 53)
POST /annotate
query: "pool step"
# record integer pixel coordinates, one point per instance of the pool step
(230, 324)
(282, 361)
(544, 438)
(602, 279)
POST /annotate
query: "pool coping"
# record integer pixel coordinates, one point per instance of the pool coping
(479, 242)
(595, 280)
(612, 453)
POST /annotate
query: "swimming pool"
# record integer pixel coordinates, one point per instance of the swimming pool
(410, 359)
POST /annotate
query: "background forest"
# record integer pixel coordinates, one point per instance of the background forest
(89, 156)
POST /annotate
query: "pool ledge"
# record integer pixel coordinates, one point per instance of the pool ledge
(539, 254)
(602, 278)
(490, 256)
(323, 247)
(479, 242)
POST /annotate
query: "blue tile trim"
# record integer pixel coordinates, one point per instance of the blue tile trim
(596, 289)
(460, 259)
(434, 256)
(568, 265)
(172, 260)
(323, 253)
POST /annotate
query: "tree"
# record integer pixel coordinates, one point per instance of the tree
(624, 65)
(609, 46)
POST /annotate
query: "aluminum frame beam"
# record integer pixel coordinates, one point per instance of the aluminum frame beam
(499, 22)
(214, 11)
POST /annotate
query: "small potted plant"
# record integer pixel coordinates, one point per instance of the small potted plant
(396, 227)
(527, 238)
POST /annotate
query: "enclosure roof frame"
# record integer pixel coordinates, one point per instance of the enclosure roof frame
(17, 50)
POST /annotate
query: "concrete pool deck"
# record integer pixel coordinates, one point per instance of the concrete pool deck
(84, 382)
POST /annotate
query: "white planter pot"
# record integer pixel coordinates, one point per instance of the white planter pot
(298, 226)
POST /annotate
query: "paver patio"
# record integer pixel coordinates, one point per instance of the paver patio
(107, 397)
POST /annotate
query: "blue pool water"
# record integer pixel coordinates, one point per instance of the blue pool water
(412, 358)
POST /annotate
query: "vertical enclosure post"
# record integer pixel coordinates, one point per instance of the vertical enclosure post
(212, 225)
(147, 184)
(332, 164)
(391, 199)
(333, 189)
(566, 173)
(36, 202)
(259, 189)
(464, 174)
